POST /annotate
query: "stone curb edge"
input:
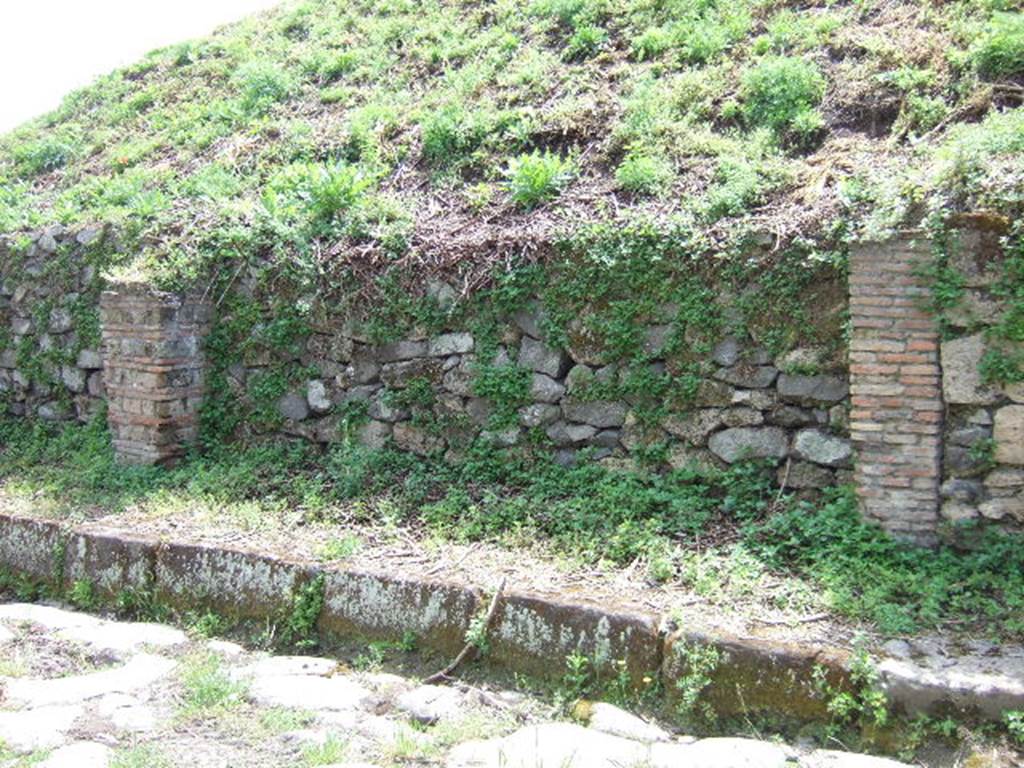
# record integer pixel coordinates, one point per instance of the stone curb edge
(531, 633)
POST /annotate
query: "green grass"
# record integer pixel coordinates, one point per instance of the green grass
(999, 52)
(332, 750)
(537, 177)
(325, 122)
(142, 756)
(208, 691)
(814, 556)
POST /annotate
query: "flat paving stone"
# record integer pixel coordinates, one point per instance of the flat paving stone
(6, 635)
(82, 754)
(613, 720)
(371, 726)
(225, 648)
(278, 666)
(126, 713)
(138, 673)
(551, 745)
(827, 758)
(46, 616)
(430, 703)
(124, 638)
(733, 753)
(42, 728)
(309, 692)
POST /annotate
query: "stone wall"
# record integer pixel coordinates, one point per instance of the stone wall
(50, 362)
(983, 438)
(748, 406)
(933, 443)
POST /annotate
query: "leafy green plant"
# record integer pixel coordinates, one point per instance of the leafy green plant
(782, 93)
(737, 186)
(33, 158)
(585, 41)
(261, 84)
(452, 134)
(643, 173)
(999, 52)
(476, 633)
(695, 665)
(651, 43)
(142, 756)
(537, 177)
(1014, 720)
(83, 595)
(332, 751)
(578, 677)
(300, 626)
(206, 623)
(341, 548)
(208, 689)
(865, 703)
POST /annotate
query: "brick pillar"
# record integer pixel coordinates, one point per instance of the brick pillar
(153, 371)
(895, 388)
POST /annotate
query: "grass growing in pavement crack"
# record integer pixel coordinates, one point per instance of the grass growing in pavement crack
(208, 690)
(141, 756)
(333, 750)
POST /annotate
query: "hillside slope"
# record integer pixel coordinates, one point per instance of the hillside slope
(325, 137)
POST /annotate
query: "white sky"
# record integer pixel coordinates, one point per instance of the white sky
(50, 47)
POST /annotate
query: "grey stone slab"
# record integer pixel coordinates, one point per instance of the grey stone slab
(138, 673)
(40, 728)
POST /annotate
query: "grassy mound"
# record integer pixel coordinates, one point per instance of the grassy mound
(336, 141)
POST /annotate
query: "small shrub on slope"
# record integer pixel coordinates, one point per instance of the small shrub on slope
(451, 134)
(536, 178)
(262, 84)
(782, 93)
(643, 173)
(1000, 51)
(36, 157)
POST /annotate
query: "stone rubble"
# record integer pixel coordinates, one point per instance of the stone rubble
(88, 720)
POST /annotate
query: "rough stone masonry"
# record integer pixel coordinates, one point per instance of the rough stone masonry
(932, 443)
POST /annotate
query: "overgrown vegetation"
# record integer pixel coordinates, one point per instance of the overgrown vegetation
(825, 555)
(292, 141)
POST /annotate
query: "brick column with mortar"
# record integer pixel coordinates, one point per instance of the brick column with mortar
(896, 389)
(153, 370)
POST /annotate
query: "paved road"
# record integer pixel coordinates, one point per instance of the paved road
(77, 691)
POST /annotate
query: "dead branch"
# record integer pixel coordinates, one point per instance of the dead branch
(470, 648)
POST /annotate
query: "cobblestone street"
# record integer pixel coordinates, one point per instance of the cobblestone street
(77, 691)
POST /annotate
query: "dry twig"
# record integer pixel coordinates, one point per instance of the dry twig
(470, 648)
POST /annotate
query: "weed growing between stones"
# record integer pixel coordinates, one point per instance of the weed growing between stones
(300, 626)
(332, 751)
(1015, 725)
(695, 663)
(208, 690)
(142, 756)
(865, 706)
(82, 595)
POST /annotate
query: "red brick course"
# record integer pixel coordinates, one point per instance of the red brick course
(153, 366)
(895, 387)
